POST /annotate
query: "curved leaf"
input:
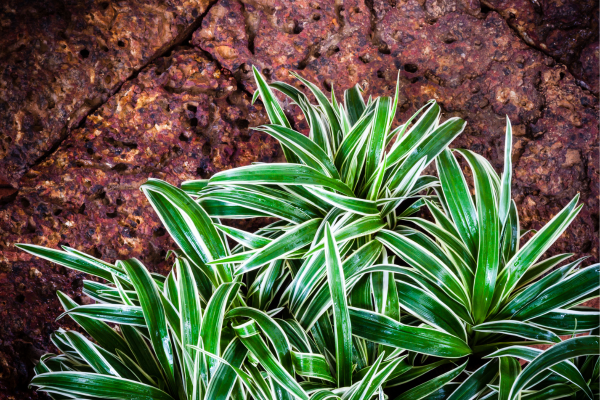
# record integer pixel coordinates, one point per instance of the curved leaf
(384, 330)
(278, 174)
(425, 389)
(84, 384)
(341, 318)
(517, 328)
(576, 347)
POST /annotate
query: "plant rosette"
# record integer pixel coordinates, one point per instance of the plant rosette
(350, 294)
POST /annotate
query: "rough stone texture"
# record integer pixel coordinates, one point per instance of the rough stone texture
(560, 28)
(60, 60)
(471, 62)
(186, 117)
(180, 119)
(559, 160)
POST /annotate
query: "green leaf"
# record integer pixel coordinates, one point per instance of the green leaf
(489, 237)
(194, 187)
(376, 141)
(364, 226)
(385, 294)
(308, 109)
(221, 209)
(531, 292)
(429, 309)
(143, 354)
(510, 236)
(476, 382)
(353, 140)
(250, 337)
(326, 107)
(273, 109)
(423, 390)
(308, 151)
(246, 239)
(322, 394)
(84, 384)
(191, 228)
(466, 264)
(557, 391)
(384, 330)
(214, 315)
(374, 185)
(532, 250)
(341, 318)
(114, 313)
(424, 261)
(565, 369)
(303, 194)
(88, 265)
(315, 301)
(289, 242)
(351, 204)
(311, 366)
(576, 347)
(578, 284)
(371, 382)
(509, 371)
(355, 104)
(504, 203)
(412, 276)
(264, 204)
(154, 315)
(421, 129)
(520, 329)
(458, 197)
(278, 174)
(570, 321)
(106, 337)
(222, 381)
(88, 352)
(445, 231)
(539, 269)
(190, 311)
(272, 330)
(428, 148)
(404, 187)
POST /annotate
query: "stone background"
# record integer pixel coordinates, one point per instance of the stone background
(97, 96)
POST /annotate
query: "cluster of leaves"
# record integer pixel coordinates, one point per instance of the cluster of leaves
(348, 295)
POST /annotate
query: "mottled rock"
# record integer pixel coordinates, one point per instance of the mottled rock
(182, 118)
(561, 161)
(588, 66)
(61, 60)
(560, 28)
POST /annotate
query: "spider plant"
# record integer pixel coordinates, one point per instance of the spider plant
(347, 295)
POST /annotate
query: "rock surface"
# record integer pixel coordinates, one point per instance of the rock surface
(563, 29)
(188, 116)
(62, 59)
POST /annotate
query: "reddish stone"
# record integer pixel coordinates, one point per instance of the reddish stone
(61, 60)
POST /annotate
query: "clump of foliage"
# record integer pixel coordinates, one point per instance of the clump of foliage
(348, 295)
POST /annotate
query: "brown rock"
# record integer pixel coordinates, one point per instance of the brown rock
(61, 60)
(587, 68)
(562, 162)
(560, 28)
